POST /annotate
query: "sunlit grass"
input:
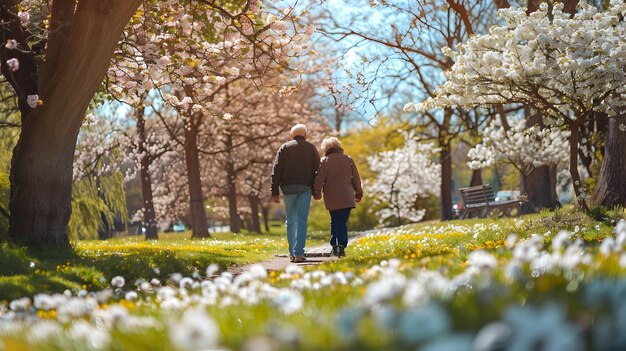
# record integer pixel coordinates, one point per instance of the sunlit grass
(360, 302)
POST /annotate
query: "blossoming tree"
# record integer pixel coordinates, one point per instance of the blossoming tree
(567, 67)
(527, 149)
(221, 48)
(404, 175)
(404, 57)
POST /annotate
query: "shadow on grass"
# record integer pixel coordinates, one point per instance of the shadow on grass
(26, 272)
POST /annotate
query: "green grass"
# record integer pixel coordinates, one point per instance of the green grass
(437, 249)
(91, 264)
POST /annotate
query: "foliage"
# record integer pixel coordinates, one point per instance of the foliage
(96, 205)
(7, 142)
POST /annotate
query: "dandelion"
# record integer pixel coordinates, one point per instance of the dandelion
(212, 269)
(258, 271)
(20, 304)
(42, 331)
(288, 301)
(118, 281)
(176, 277)
(482, 260)
(131, 296)
(185, 283)
(195, 331)
(92, 337)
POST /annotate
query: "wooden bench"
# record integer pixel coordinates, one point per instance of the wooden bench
(479, 201)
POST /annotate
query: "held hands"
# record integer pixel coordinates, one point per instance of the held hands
(276, 199)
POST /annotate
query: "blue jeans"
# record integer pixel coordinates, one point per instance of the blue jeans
(339, 227)
(297, 213)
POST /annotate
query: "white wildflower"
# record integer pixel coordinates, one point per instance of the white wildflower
(118, 281)
(195, 331)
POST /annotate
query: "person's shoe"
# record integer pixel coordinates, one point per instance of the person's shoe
(292, 258)
(341, 251)
(298, 259)
(333, 252)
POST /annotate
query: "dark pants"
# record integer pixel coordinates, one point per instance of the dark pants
(339, 227)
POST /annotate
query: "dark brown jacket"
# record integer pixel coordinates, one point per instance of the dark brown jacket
(338, 177)
(295, 163)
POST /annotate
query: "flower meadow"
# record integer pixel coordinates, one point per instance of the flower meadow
(447, 287)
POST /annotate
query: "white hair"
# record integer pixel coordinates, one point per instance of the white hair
(298, 129)
(330, 143)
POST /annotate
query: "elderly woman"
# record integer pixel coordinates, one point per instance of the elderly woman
(338, 178)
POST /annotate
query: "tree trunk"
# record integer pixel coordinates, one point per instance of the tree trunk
(611, 188)
(196, 197)
(255, 223)
(540, 183)
(41, 168)
(573, 167)
(446, 183)
(265, 212)
(477, 177)
(445, 157)
(106, 231)
(540, 188)
(235, 221)
(149, 215)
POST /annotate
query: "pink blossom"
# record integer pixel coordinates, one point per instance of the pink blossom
(14, 64)
(11, 44)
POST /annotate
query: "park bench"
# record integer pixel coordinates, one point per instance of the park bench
(479, 201)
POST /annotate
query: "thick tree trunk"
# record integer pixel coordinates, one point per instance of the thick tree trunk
(540, 183)
(540, 188)
(77, 58)
(611, 188)
(477, 177)
(255, 223)
(149, 215)
(196, 197)
(265, 212)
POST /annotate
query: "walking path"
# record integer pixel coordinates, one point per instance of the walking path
(314, 256)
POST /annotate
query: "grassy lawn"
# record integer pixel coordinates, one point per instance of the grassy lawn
(551, 281)
(92, 264)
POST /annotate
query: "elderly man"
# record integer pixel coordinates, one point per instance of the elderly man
(294, 173)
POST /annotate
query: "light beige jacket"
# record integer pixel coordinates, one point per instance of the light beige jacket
(338, 178)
